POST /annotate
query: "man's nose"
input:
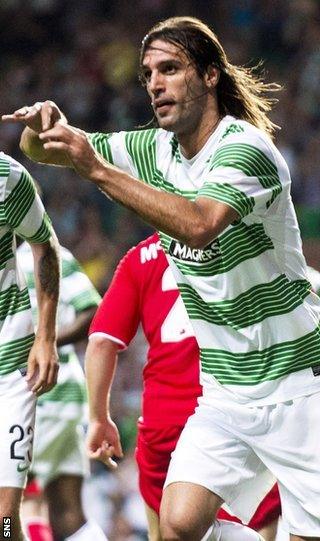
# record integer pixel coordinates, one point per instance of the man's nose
(156, 83)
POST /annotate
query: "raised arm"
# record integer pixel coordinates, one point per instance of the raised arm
(43, 359)
(195, 223)
(37, 118)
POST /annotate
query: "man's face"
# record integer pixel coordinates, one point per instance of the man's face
(178, 94)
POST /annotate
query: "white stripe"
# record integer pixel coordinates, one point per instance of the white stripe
(120, 157)
(271, 331)
(32, 220)
(16, 326)
(109, 337)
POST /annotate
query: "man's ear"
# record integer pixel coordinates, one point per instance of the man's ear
(211, 77)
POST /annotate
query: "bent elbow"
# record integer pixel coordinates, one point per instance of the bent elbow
(201, 238)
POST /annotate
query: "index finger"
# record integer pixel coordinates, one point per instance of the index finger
(46, 116)
(16, 116)
(104, 457)
(41, 381)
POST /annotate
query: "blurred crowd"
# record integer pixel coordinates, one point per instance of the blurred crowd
(84, 55)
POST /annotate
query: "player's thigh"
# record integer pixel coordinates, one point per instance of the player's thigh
(64, 505)
(10, 499)
(269, 532)
(210, 455)
(17, 403)
(293, 455)
(187, 509)
(64, 493)
(153, 524)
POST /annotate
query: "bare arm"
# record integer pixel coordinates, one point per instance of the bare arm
(43, 358)
(78, 329)
(195, 223)
(100, 364)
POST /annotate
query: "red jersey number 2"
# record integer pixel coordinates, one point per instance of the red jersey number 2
(176, 326)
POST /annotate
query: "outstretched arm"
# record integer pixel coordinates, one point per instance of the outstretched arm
(43, 359)
(195, 223)
(103, 439)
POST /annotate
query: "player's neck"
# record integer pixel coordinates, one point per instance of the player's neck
(191, 143)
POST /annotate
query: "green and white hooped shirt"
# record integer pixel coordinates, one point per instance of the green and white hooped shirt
(77, 293)
(21, 212)
(247, 294)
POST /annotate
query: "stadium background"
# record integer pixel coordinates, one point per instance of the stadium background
(83, 54)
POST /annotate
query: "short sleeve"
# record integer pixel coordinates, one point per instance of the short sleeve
(23, 208)
(243, 174)
(112, 147)
(118, 315)
(132, 151)
(76, 288)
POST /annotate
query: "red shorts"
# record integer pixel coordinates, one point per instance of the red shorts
(32, 489)
(153, 453)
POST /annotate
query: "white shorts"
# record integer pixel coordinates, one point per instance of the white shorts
(17, 407)
(228, 448)
(59, 448)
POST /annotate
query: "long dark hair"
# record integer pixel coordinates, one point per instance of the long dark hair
(240, 92)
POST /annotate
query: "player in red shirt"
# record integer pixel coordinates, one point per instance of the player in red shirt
(143, 291)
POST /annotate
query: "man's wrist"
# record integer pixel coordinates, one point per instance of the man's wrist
(46, 336)
(98, 420)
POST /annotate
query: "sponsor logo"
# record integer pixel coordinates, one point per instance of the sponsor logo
(194, 255)
(233, 128)
(147, 253)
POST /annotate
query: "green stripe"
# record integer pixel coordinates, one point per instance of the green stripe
(258, 366)
(100, 142)
(236, 245)
(70, 391)
(65, 358)
(14, 354)
(141, 146)
(252, 162)
(160, 182)
(70, 267)
(6, 251)
(12, 301)
(86, 299)
(19, 201)
(4, 168)
(251, 307)
(230, 195)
